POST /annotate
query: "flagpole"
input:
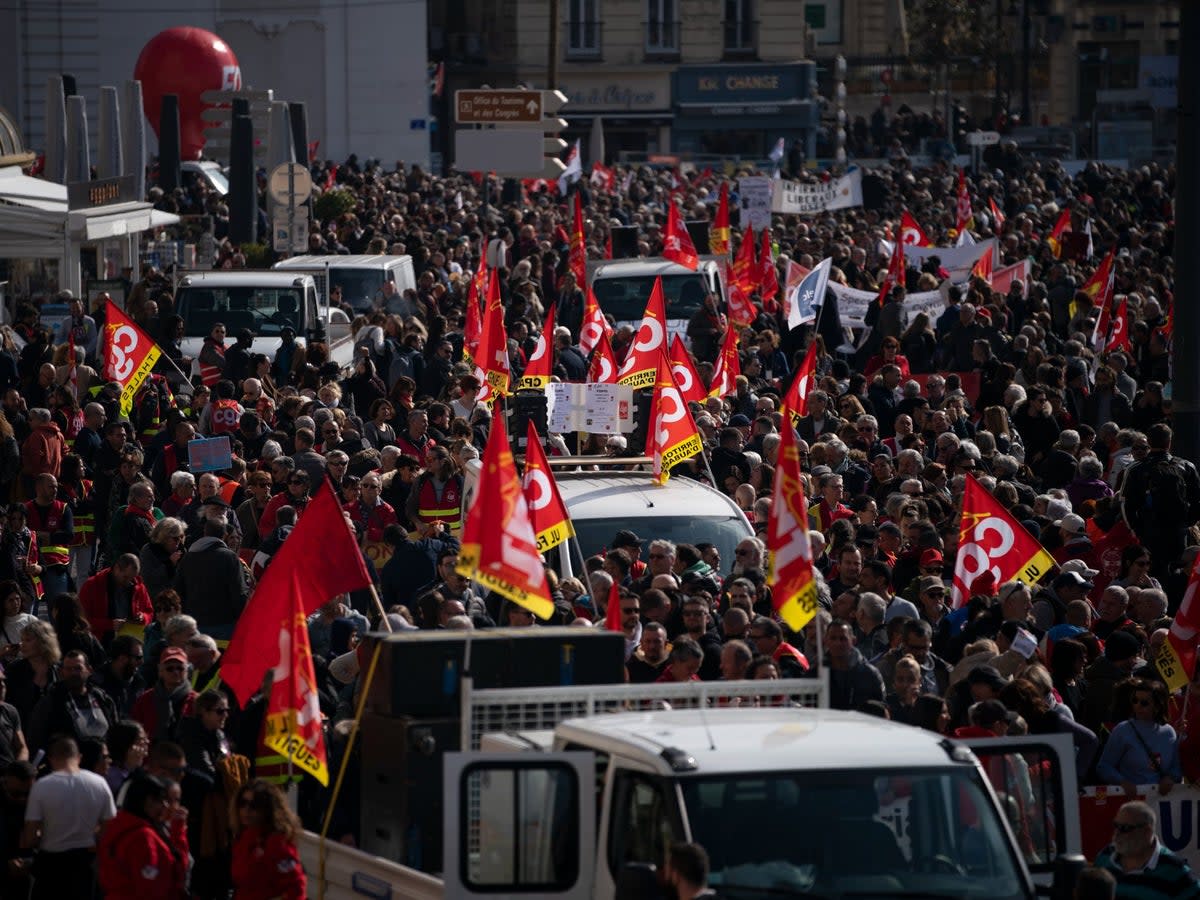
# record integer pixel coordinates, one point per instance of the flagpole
(187, 379)
(387, 626)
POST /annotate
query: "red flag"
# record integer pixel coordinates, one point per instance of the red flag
(319, 560)
(1118, 338)
(796, 400)
(728, 367)
(595, 327)
(612, 612)
(129, 353)
(492, 367)
(911, 232)
(608, 246)
(547, 513)
(499, 548)
(313, 147)
(686, 378)
(745, 266)
(741, 311)
(603, 178)
(603, 369)
(768, 275)
(895, 272)
(1061, 227)
(476, 296)
(997, 216)
(577, 255)
(964, 218)
(1176, 660)
(650, 343)
(794, 590)
(540, 366)
(718, 232)
(72, 366)
(991, 542)
(1100, 288)
(292, 727)
(674, 436)
(677, 243)
(331, 177)
(983, 266)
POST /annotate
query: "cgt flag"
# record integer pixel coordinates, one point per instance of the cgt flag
(292, 727)
(796, 399)
(603, 369)
(651, 342)
(911, 232)
(677, 243)
(895, 272)
(547, 512)
(595, 328)
(718, 232)
(129, 354)
(476, 296)
(728, 367)
(991, 541)
(745, 265)
(1176, 659)
(577, 254)
(674, 436)
(793, 588)
(541, 362)
(319, 560)
(499, 548)
(1061, 227)
(686, 377)
(492, 366)
(768, 275)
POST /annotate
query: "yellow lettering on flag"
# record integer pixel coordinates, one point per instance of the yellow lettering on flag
(135, 380)
(468, 567)
(282, 736)
(1171, 667)
(677, 453)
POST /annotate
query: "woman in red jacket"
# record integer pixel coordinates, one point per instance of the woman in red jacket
(266, 863)
(140, 856)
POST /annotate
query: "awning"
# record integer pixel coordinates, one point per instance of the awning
(19, 188)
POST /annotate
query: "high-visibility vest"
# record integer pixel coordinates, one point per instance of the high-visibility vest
(85, 523)
(49, 520)
(447, 508)
(229, 487)
(270, 766)
(224, 417)
(210, 374)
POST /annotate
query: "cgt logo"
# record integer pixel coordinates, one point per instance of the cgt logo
(231, 78)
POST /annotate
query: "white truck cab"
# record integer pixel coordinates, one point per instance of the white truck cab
(361, 277)
(263, 301)
(622, 288)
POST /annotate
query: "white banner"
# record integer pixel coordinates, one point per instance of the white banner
(755, 193)
(853, 304)
(794, 198)
(957, 261)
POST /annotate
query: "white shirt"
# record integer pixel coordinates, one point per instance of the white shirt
(69, 805)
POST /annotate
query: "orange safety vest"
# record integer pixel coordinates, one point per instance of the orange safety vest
(210, 374)
(51, 520)
(224, 417)
(446, 509)
(229, 487)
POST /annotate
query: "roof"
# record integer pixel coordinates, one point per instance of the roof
(639, 268)
(590, 495)
(738, 740)
(251, 277)
(362, 261)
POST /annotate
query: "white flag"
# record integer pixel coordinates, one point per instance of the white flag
(804, 299)
(777, 153)
(574, 170)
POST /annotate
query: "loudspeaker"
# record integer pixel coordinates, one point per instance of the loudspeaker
(624, 242)
(420, 671)
(698, 232)
(243, 192)
(641, 422)
(298, 115)
(169, 175)
(401, 788)
(523, 406)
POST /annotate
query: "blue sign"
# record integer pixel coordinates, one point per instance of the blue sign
(416, 124)
(758, 83)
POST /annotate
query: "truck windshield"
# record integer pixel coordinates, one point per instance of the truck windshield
(852, 833)
(359, 286)
(625, 298)
(263, 310)
(723, 532)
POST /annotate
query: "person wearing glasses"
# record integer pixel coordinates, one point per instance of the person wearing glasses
(295, 495)
(1139, 862)
(1143, 749)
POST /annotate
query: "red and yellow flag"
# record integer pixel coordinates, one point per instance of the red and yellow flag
(718, 231)
(745, 265)
(1061, 227)
(741, 311)
(686, 377)
(674, 436)
(651, 343)
(129, 354)
(1176, 660)
(595, 327)
(492, 365)
(547, 512)
(997, 216)
(540, 366)
(795, 402)
(499, 548)
(983, 266)
(990, 540)
(476, 296)
(677, 243)
(768, 275)
(728, 367)
(1100, 288)
(911, 232)
(292, 727)
(603, 369)
(790, 573)
(577, 254)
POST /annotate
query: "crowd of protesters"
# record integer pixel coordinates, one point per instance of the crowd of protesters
(123, 572)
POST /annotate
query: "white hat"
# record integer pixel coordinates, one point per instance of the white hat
(1080, 567)
(1071, 524)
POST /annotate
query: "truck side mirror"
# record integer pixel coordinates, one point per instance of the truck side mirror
(638, 881)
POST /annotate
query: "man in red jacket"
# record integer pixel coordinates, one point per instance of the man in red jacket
(114, 596)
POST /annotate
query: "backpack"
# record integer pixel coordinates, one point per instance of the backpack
(1166, 492)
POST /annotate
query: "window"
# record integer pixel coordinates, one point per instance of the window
(640, 830)
(265, 311)
(583, 28)
(662, 29)
(739, 27)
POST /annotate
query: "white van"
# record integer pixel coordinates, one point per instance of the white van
(622, 288)
(361, 278)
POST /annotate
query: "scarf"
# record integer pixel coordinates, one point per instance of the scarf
(169, 706)
(144, 513)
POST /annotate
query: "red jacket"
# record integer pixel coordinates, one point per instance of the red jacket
(268, 521)
(135, 862)
(94, 597)
(43, 451)
(145, 711)
(266, 866)
(373, 520)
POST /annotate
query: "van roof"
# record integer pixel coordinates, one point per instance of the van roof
(612, 495)
(242, 277)
(726, 740)
(638, 268)
(361, 261)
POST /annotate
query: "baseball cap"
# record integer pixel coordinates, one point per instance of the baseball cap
(1071, 524)
(1120, 646)
(1073, 578)
(739, 421)
(928, 583)
(989, 712)
(626, 538)
(1079, 566)
(986, 674)
(173, 653)
(931, 557)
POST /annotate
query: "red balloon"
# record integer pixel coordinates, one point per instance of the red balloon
(185, 62)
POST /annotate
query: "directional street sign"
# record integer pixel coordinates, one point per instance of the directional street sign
(488, 107)
(983, 138)
(523, 141)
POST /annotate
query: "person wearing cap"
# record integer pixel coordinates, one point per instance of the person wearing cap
(632, 544)
(1071, 584)
(1076, 542)
(1014, 604)
(1121, 656)
(160, 708)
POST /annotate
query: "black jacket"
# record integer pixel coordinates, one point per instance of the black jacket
(852, 687)
(213, 583)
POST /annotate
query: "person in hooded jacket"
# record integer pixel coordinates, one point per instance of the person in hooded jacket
(852, 680)
(143, 853)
